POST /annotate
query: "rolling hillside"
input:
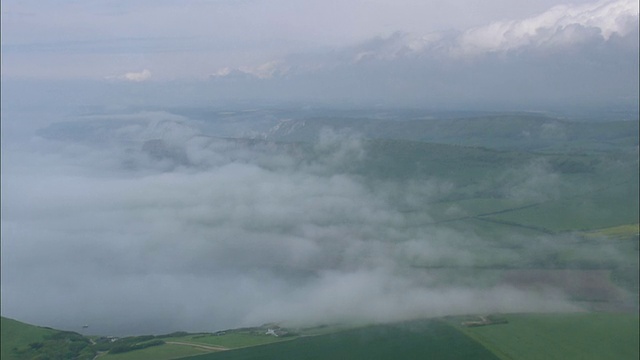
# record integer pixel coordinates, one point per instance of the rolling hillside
(24, 341)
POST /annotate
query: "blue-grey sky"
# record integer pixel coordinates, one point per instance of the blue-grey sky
(193, 39)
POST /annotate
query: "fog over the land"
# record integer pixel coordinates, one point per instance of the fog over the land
(128, 205)
(189, 232)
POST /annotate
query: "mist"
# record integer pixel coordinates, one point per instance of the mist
(248, 164)
(142, 222)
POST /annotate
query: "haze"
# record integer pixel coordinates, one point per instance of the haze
(122, 210)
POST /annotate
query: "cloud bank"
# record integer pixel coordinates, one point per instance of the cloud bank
(561, 25)
(581, 55)
(143, 224)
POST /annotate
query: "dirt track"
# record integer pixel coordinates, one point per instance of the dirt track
(202, 346)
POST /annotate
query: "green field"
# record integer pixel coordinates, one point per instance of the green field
(18, 335)
(162, 352)
(622, 232)
(409, 340)
(613, 206)
(580, 336)
(24, 341)
(567, 336)
(231, 340)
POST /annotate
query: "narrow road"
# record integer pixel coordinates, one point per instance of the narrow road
(100, 353)
(207, 347)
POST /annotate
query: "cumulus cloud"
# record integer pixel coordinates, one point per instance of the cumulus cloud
(582, 54)
(560, 25)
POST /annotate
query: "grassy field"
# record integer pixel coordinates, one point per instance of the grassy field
(193, 344)
(25, 341)
(622, 232)
(580, 336)
(614, 206)
(162, 352)
(16, 334)
(233, 339)
(409, 340)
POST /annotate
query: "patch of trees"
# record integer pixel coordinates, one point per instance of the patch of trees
(173, 334)
(126, 347)
(128, 344)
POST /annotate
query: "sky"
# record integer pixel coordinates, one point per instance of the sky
(519, 55)
(196, 38)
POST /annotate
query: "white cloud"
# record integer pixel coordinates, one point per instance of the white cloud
(137, 76)
(209, 35)
(266, 70)
(605, 17)
(140, 76)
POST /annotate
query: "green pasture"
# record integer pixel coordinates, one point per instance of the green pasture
(25, 341)
(18, 335)
(230, 340)
(425, 339)
(161, 352)
(614, 206)
(621, 232)
(465, 166)
(579, 336)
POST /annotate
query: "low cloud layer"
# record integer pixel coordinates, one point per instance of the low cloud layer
(516, 56)
(560, 28)
(561, 25)
(147, 226)
(570, 54)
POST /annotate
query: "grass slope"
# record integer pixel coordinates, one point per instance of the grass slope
(162, 352)
(24, 341)
(429, 339)
(17, 335)
(580, 336)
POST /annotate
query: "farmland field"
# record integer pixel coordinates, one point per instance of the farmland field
(579, 336)
(614, 206)
(162, 352)
(408, 340)
(232, 340)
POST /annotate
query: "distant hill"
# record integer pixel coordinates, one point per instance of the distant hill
(500, 131)
(503, 132)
